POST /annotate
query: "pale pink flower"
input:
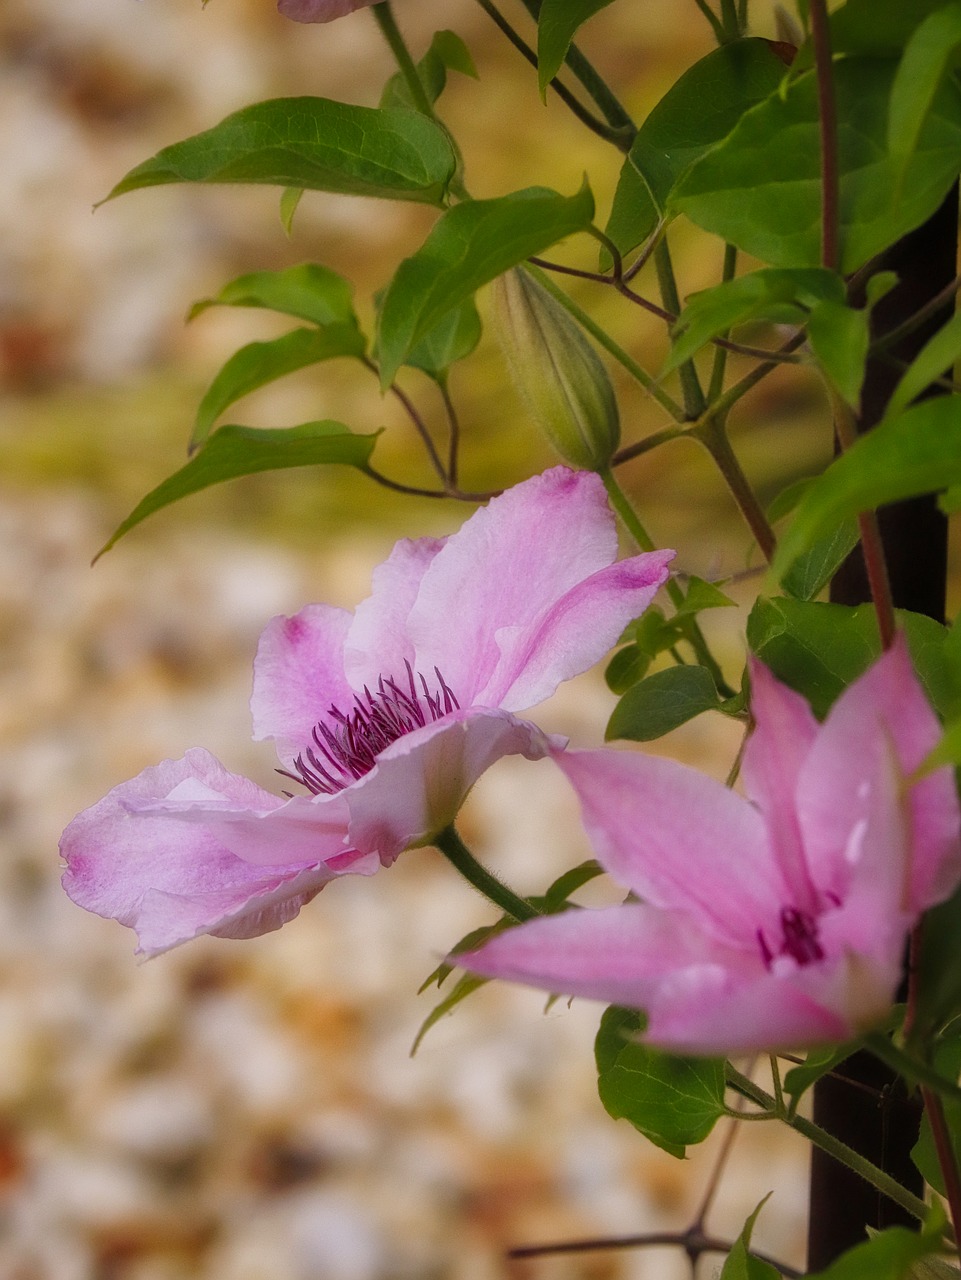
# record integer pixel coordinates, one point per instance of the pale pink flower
(770, 922)
(384, 718)
(320, 10)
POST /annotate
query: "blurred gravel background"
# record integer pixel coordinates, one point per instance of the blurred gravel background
(249, 1111)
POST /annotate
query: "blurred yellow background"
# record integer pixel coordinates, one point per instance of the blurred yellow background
(248, 1111)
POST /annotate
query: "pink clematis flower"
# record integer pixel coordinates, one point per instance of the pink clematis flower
(320, 10)
(763, 923)
(384, 718)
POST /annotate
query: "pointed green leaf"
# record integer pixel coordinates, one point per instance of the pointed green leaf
(918, 451)
(470, 245)
(772, 294)
(557, 25)
(740, 1263)
(454, 337)
(466, 985)
(696, 113)
(819, 648)
(840, 338)
(703, 595)
(662, 702)
(935, 359)
(927, 59)
(878, 28)
(289, 200)
(447, 52)
(888, 1256)
(673, 1101)
(242, 451)
(313, 143)
(764, 196)
(810, 573)
(309, 292)
(258, 363)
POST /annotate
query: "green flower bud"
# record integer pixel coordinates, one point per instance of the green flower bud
(557, 372)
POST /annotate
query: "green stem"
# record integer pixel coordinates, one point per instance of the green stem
(384, 16)
(604, 340)
(716, 26)
(692, 632)
(732, 27)
(653, 441)
(819, 1137)
(720, 353)
(595, 125)
(608, 104)
(461, 859)
(911, 1068)
(729, 399)
(694, 402)
(713, 436)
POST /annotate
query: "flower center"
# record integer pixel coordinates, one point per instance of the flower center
(346, 743)
(799, 932)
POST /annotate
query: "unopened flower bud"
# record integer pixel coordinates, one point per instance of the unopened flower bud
(557, 372)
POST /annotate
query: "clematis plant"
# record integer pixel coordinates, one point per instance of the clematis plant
(769, 922)
(384, 719)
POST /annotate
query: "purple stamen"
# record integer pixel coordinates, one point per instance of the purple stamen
(799, 932)
(348, 744)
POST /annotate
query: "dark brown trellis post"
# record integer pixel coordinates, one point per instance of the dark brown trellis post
(865, 1107)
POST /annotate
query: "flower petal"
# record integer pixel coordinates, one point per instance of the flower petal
(885, 705)
(172, 880)
(620, 955)
(507, 566)
(421, 780)
(298, 675)
(700, 997)
(377, 641)
(574, 633)
(785, 729)
(680, 840)
(320, 10)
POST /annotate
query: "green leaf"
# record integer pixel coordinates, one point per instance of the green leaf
(289, 201)
(453, 338)
(927, 59)
(470, 245)
(772, 294)
(936, 358)
(470, 942)
(673, 1101)
(839, 338)
(556, 26)
(878, 28)
(819, 648)
(888, 1256)
(699, 111)
(702, 595)
(817, 1064)
(555, 899)
(742, 1265)
(918, 451)
(925, 1154)
(309, 292)
(939, 987)
(242, 451)
(662, 702)
(313, 143)
(811, 572)
(447, 52)
(763, 195)
(466, 985)
(258, 363)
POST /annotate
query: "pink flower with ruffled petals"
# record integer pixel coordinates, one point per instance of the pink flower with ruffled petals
(320, 10)
(384, 719)
(764, 923)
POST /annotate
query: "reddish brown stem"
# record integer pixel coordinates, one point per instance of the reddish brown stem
(827, 114)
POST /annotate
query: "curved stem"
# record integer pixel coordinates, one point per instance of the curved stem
(454, 430)
(456, 494)
(419, 425)
(945, 1149)
(820, 1138)
(574, 106)
(650, 442)
(692, 632)
(694, 401)
(461, 859)
(716, 385)
(384, 17)
(693, 1241)
(712, 434)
